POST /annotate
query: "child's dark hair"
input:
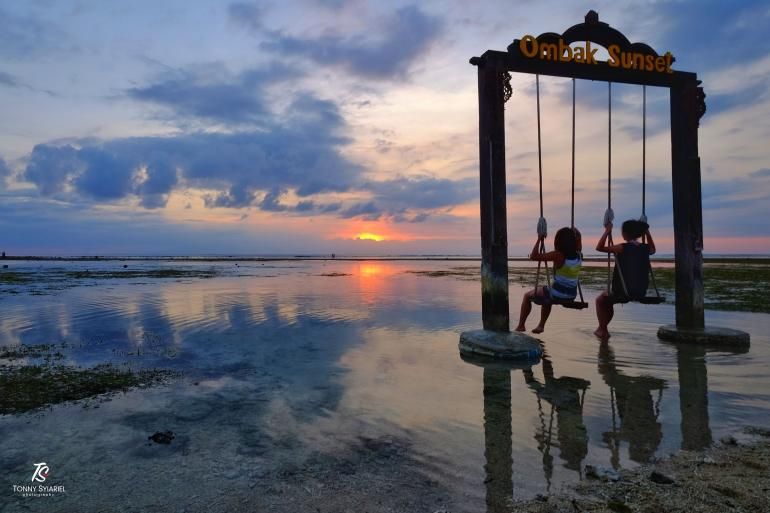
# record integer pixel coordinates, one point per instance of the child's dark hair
(565, 242)
(634, 229)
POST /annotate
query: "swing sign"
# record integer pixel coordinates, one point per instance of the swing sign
(531, 48)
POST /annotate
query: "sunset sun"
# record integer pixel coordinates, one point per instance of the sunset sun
(369, 236)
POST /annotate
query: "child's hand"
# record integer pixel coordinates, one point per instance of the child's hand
(608, 228)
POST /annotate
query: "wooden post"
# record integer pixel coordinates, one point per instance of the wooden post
(494, 231)
(498, 440)
(687, 106)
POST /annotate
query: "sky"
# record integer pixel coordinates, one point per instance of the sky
(351, 126)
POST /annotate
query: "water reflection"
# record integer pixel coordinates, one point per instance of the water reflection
(301, 367)
(693, 393)
(635, 405)
(635, 410)
(565, 396)
(498, 440)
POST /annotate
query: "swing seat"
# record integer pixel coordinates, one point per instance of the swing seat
(652, 300)
(646, 300)
(566, 303)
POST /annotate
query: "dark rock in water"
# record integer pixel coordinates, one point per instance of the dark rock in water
(125, 266)
(163, 437)
(657, 477)
(753, 430)
(605, 474)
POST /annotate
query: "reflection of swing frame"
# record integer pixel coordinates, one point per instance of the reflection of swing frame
(687, 107)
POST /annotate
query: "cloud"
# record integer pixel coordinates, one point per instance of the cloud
(301, 153)
(406, 36)
(740, 29)
(5, 172)
(23, 37)
(8, 80)
(410, 199)
(369, 211)
(248, 15)
(423, 192)
(210, 93)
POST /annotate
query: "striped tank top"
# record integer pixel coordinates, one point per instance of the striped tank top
(565, 279)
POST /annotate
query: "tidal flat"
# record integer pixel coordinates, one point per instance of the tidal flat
(320, 385)
(733, 286)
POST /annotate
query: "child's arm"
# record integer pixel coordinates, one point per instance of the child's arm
(535, 253)
(551, 256)
(602, 244)
(650, 242)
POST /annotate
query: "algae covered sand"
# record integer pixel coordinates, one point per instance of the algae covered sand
(51, 279)
(32, 386)
(733, 286)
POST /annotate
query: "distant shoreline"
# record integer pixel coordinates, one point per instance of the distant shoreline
(759, 259)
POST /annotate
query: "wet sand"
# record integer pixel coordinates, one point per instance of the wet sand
(730, 476)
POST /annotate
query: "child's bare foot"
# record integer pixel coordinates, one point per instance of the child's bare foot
(520, 327)
(602, 333)
(539, 329)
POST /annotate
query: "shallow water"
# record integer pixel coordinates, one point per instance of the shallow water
(295, 372)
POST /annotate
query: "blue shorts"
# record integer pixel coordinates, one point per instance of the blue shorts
(549, 299)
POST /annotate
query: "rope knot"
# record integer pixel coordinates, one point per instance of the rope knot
(609, 216)
(542, 227)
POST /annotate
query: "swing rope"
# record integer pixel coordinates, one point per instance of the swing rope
(542, 226)
(572, 212)
(643, 218)
(609, 215)
(644, 154)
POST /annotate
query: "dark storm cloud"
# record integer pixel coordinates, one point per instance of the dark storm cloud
(406, 36)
